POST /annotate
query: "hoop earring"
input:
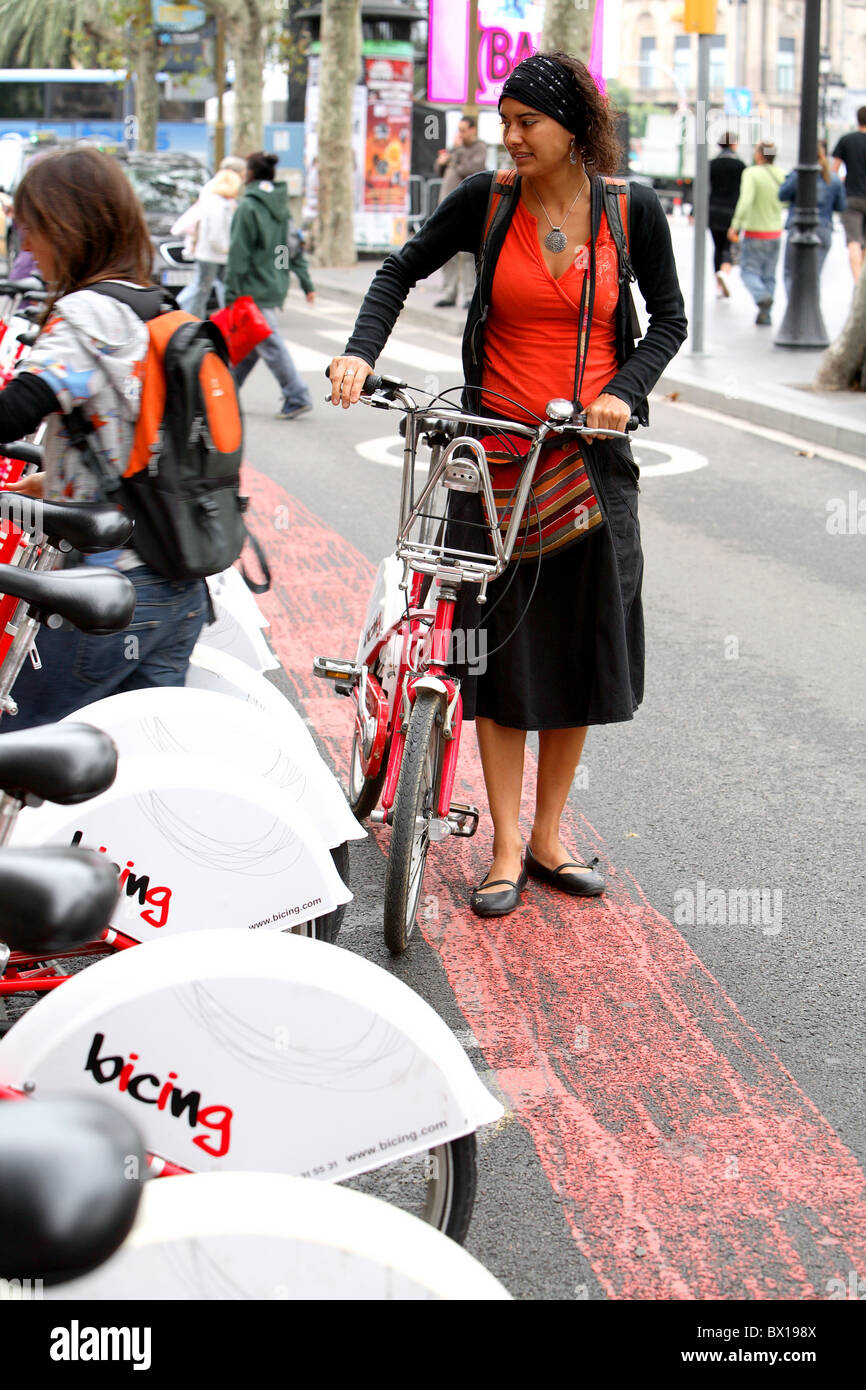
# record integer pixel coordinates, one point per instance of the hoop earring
(572, 153)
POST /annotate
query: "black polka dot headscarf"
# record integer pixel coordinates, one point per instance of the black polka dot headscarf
(545, 86)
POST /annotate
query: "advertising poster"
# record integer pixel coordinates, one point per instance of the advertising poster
(509, 31)
(381, 145)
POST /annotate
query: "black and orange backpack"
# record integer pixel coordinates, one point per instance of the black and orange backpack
(181, 484)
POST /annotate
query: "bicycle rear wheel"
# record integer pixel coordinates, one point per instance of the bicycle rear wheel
(364, 791)
(414, 808)
(437, 1186)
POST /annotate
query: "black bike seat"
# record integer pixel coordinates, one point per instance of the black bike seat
(66, 763)
(88, 527)
(68, 1189)
(93, 598)
(30, 285)
(54, 897)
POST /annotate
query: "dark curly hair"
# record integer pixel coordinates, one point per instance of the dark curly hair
(597, 140)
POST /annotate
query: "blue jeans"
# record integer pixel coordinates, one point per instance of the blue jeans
(77, 669)
(758, 266)
(275, 355)
(196, 294)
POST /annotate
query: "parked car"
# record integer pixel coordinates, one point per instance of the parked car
(167, 184)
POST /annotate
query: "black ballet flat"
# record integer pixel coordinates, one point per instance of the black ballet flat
(498, 904)
(588, 885)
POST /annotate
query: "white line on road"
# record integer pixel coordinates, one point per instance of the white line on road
(791, 441)
(427, 359)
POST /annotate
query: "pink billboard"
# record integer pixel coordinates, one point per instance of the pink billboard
(509, 30)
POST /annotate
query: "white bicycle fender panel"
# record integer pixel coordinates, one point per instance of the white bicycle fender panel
(385, 608)
(244, 1051)
(196, 848)
(237, 630)
(228, 587)
(175, 721)
(210, 669)
(268, 1236)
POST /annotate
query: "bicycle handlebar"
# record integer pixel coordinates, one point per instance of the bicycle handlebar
(391, 386)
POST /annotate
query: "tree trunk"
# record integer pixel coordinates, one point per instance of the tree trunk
(568, 27)
(341, 56)
(247, 35)
(843, 366)
(146, 92)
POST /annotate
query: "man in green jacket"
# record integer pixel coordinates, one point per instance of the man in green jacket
(758, 215)
(258, 266)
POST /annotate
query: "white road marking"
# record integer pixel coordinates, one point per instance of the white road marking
(791, 441)
(425, 358)
(388, 449)
(676, 460)
(307, 359)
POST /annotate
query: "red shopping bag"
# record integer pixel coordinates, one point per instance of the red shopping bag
(243, 325)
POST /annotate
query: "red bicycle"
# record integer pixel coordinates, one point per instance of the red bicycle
(408, 708)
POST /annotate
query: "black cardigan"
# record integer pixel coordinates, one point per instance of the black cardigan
(457, 225)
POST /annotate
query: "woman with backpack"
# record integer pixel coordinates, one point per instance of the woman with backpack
(78, 214)
(549, 318)
(258, 266)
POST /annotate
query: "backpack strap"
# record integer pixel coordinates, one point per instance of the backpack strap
(503, 186)
(148, 302)
(617, 207)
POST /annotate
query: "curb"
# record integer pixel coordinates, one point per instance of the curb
(818, 426)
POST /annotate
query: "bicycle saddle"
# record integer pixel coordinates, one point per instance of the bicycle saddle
(68, 1197)
(66, 763)
(88, 527)
(31, 285)
(94, 599)
(54, 897)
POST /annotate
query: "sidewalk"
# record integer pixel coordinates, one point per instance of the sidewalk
(740, 373)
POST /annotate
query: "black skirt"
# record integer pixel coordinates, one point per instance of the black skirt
(560, 643)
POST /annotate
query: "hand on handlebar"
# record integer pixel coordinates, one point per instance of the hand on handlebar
(347, 375)
(606, 413)
(31, 486)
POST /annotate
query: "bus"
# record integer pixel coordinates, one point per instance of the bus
(94, 103)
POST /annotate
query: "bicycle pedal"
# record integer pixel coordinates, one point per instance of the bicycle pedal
(463, 818)
(345, 673)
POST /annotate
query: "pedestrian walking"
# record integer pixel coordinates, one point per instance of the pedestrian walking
(726, 170)
(468, 157)
(78, 215)
(831, 198)
(758, 215)
(851, 151)
(258, 266)
(195, 295)
(549, 317)
(216, 208)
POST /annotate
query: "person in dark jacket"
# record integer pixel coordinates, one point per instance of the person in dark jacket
(258, 266)
(831, 198)
(564, 643)
(726, 170)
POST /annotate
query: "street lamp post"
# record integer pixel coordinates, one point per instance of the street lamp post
(803, 324)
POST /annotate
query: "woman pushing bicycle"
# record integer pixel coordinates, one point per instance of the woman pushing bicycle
(550, 317)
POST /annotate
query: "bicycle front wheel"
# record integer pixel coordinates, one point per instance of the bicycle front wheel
(414, 808)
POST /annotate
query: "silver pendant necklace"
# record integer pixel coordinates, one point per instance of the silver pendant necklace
(556, 240)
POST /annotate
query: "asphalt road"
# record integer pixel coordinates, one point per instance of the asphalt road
(704, 1136)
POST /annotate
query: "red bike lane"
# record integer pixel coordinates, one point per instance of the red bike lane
(688, 1162)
